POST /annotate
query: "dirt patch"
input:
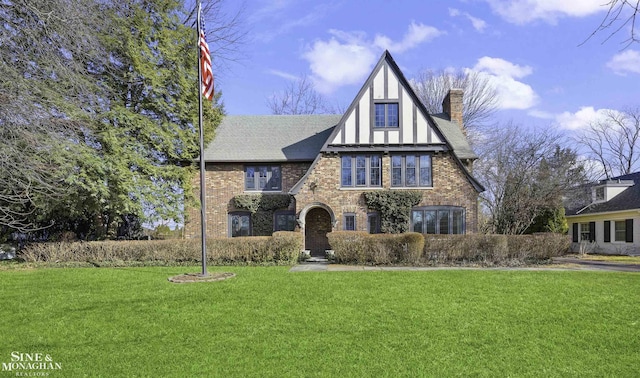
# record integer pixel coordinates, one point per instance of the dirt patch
(197, 277)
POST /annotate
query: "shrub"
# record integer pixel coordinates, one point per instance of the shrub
(282, 248)
(349, 246)
(352, 247)
(494, 249)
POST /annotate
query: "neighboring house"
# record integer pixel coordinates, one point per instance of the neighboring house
(385, 140)
(609, 223)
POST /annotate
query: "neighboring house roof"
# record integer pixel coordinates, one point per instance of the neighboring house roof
(629, 199)
(270, 138)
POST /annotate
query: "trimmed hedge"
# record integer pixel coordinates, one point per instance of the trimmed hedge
(416, 249)
(494, 249)
(363, 248)
(282, 248)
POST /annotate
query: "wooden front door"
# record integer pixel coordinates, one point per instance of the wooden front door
(317, 225)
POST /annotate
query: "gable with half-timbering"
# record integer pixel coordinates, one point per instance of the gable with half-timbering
(385, 112)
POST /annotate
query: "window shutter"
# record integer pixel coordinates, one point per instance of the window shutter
(607, 231)
(629, 230)
(575, 233)
(592, 231)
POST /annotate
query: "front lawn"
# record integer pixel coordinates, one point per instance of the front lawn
(269, 322)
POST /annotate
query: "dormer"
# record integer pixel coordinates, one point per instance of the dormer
(608, 189)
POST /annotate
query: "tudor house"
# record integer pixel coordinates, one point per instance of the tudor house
(386, 140)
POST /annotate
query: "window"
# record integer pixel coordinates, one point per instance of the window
(263, 177)
(349, 222)
(386, 115)
(285, 221)
(239, 224)
(373, 223)
(361, 170)
(438, 220)
(585, 232)
(410, 170)
(599, 192)
(620, 231)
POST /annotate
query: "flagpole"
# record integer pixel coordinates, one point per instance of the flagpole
(203, 223)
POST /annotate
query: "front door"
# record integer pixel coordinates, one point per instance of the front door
(317, 225)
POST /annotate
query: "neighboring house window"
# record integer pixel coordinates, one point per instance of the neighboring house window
(438, 220)
(349, 222)
(587, 231)
(285, 221)
(263, 178)
(240, 224)
(386, 115)
(600, 193)
(410, 170)
(361, 170)
(373, 223)
(620, 231)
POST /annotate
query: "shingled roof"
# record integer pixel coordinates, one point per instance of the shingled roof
(629, 199)
(270, 138)
(280, 138)
(454, 135)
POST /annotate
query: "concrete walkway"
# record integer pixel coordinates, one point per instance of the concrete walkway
(564, 263)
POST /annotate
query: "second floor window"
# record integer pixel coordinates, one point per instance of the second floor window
(386, 115)
(361, 170)
(410, 170)
(262, 178)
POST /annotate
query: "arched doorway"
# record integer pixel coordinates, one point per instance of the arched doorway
(318, 223)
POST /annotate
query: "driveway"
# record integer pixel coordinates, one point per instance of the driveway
(598, 265)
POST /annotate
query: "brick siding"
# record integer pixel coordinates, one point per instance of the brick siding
(224, 181)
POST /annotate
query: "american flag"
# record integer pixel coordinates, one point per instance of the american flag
(205, 65)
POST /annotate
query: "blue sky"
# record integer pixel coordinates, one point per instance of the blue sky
(528, 48)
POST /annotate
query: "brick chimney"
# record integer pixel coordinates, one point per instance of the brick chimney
(452, 105)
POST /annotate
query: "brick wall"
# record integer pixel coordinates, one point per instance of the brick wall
(224, 181)
(450, 188)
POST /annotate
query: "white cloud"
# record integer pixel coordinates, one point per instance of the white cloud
(477, 23)
(284, 75)
(347, 57)
(502, 75)
(334, 63)
(525, 11)
(580, 119)
(625, 62)
(541, 114)
(417, 34)
(501, 67)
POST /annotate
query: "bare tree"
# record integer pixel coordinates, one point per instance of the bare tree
(480, 100)
(525, 174)
(300, 97)
(614, 142)
(225, 29)
(621, 14)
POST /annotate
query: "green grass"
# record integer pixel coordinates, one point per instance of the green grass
(270, 322)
